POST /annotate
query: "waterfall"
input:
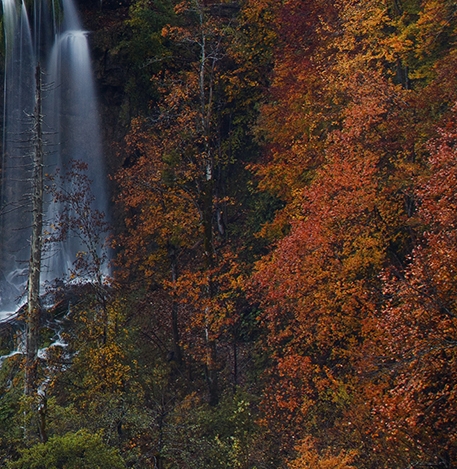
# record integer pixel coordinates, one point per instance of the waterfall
(49, 33)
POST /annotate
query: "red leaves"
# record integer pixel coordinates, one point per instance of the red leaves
(321, 282)
(340, 153)
(421, 321)
(357, 296)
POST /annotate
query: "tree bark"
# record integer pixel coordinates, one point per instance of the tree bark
(178, 356)
(33, 296)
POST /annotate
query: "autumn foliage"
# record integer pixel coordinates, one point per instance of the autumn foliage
(359, 280)
(284, 291)
(354, 295)
(419, 320)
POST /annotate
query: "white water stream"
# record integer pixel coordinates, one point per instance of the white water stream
(49, 34)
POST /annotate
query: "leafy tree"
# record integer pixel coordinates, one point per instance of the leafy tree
(80, 450)
(177, 191)
(321, 281)
(309, 458)
(146, 50)
(342, 157)
(201, 436)
(352, 316)
(418, 346)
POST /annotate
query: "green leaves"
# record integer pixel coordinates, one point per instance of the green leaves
(80, 450)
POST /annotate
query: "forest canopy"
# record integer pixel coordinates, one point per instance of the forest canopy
(283, 180)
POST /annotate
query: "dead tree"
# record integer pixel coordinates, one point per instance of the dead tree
(33, 287)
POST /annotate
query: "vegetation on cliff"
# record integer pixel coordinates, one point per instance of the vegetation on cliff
(284, 199)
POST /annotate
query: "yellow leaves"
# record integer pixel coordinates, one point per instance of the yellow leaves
(436, 19)
(310, 458)
(411, 35)
(364, 254)
(102, 364)
(106, 370)
(398, 45)
(363, 30)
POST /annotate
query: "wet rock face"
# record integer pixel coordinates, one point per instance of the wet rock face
(104, 4)
(8, 293)
(105, 21)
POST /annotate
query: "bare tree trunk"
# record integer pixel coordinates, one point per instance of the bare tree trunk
(178, 356)
(34, 308)
(211, 346)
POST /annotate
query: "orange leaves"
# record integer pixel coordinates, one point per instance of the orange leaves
(310, 458)
(181, 7)
(209, 298)
(420, 324)
(339, 143)
(177, 191)
(361, 353)
(159, 192)
(315, 288)
(294, 120)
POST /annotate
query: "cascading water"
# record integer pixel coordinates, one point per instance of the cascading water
(48, 34)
